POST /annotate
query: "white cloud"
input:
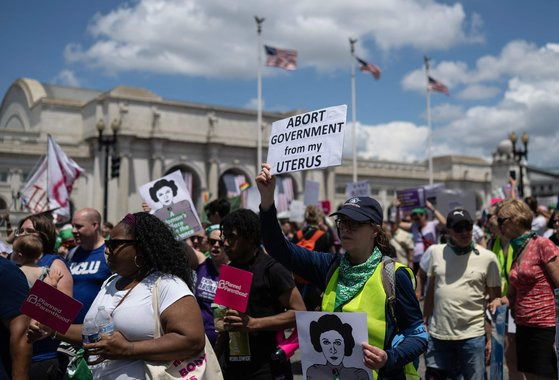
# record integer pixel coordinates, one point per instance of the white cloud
(446, 112)
(252, 104)
(67, 78)
(217, 39)
(478, 92)
(395, 141)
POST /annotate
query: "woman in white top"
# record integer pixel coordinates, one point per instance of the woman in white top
(140, 250)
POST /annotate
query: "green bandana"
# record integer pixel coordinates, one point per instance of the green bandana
(520, 242)
(462, 250)
(352, 278)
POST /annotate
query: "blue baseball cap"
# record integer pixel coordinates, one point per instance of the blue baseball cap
(361, 209)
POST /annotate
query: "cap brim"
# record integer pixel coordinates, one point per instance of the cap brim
(353, 213)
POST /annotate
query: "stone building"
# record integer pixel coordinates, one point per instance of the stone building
(157, 136)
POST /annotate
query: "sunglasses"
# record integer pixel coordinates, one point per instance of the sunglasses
(231, 239)
(501, 221)
(463, 228)
(213, 241)
(196, 239)
(350, 225)
(113, 244)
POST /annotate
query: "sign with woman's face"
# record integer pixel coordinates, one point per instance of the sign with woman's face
(170, 201)
(330, 344)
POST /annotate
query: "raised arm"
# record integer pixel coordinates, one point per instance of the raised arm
(266, 183)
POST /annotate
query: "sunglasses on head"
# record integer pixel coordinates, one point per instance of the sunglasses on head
(113, 244)
(213, 241)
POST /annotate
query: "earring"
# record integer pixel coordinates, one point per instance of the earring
(136, 262)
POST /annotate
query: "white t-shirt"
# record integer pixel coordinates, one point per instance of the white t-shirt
(429, 232)
(134, 318)
(539, 225)
(460, 286)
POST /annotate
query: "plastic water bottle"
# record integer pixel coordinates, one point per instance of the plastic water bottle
(90, 334)
(104, 321)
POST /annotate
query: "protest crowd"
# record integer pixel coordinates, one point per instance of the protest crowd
(429, 284)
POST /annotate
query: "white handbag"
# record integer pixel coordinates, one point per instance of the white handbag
(203, 366)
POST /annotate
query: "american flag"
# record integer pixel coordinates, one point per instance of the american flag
(282, 58)
(435, 85)
(369, 68)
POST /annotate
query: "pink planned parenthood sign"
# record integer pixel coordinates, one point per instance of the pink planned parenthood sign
(51, 307)
(233, 288)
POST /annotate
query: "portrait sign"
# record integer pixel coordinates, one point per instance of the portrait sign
(170, 201)
(51, 307)
(330, 345)
(311, 140)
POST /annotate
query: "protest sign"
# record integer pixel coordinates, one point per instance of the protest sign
(233, 288)
(297, 211)
(498, 342)
(411, 198)
(51, 307)
(358, 189)
(307, 141)
(170, 201)
(332, 333)
(312, 190)
(449, 200)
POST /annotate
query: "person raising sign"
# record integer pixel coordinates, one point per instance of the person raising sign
(353, 283)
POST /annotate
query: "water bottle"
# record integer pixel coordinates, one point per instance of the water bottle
(104, 321)
(90, 334)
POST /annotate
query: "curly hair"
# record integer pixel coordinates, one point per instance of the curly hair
(331, 322)
(161, 184)
(43, 224)
(245, 222)
(157, 246)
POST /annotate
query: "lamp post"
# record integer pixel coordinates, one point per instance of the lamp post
(107, 142)
(519, 155)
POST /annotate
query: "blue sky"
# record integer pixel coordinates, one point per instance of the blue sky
(500, 59)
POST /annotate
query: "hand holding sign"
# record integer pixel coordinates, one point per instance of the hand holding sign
(266, 184)
(234, 320)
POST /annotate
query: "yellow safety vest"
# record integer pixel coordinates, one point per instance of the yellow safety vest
(372, 301)
(505, 263)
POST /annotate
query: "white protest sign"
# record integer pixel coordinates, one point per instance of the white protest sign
(331, 341)
(307, 141)
(297, 211)
(312, 190)
(170, 201)
(358, 189)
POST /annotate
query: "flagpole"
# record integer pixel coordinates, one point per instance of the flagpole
(259, 22)
(353, 110)
(430, 137)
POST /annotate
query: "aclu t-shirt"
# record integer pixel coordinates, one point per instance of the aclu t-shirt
(89, 270)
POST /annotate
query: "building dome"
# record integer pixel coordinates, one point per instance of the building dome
(505, 147)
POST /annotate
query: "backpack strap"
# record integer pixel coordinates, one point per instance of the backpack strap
(316, 235)
(389, 285)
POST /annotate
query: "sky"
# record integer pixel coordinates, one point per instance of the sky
(499, 59)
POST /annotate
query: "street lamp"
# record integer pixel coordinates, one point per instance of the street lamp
(519, 155)
(107, 142)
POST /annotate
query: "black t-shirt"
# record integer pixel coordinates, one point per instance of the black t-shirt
(555, 239)
(14, 289)
(270, 280)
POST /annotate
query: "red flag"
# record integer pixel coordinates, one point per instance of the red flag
(369, 68)
(62, 173)
(435, 85)
(282, 58)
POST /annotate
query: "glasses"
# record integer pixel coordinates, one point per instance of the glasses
(25, 231)
(196, 239)
(113, 244)
(68, 244)
(501, 221)
(213, 241)
(231, 239)
(349, 225)
(463, 228)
